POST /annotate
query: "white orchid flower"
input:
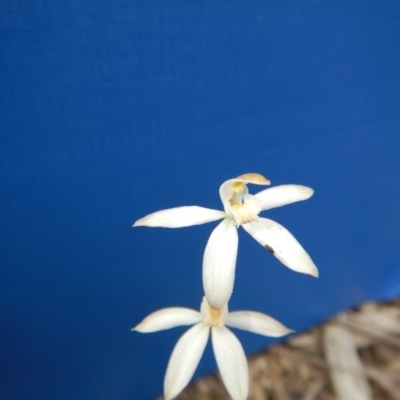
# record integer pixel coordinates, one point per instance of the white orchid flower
(240, 209)
(228, 351)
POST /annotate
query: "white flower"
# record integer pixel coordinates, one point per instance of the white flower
(231, 359)
(241, 209)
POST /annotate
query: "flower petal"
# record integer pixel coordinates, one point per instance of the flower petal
(281, 195)
(168, 318)
(231, 361)
(219, 263)
(282, 244)
(179, 217)
(257, 323)
(184, 360)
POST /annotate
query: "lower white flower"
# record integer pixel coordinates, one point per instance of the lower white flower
(228, 351)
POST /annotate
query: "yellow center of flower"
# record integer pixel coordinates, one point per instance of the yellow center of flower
(242, 206)
(212, 316)
(238, 186)
(215, 314)
(236, 198)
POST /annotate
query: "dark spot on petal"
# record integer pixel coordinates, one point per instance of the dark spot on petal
(270, 249)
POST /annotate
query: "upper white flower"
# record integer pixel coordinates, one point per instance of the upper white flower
(228, 351)
(241, 209)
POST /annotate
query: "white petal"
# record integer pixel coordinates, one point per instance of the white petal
(257, 323)
(281, 195)
(184, 360)
(168, 318)
(282, 244)
(179, 217)
(219, 263)
(232, 363)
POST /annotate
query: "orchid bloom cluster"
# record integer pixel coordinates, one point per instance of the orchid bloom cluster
(219, 264)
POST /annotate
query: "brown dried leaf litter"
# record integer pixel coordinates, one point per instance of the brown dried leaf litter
(355, 356)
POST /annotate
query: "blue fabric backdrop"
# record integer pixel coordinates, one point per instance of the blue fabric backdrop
(114, 109)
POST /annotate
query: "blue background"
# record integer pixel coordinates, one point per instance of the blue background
(111, 110)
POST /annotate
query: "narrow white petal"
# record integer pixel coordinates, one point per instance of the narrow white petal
(282, 244)
(281, 195)
(232, 363)
(179, 217)
(257, 323)
(219, 263)
(184, 360)
(168, 318)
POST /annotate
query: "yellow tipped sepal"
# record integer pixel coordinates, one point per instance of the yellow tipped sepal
(254, 178)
